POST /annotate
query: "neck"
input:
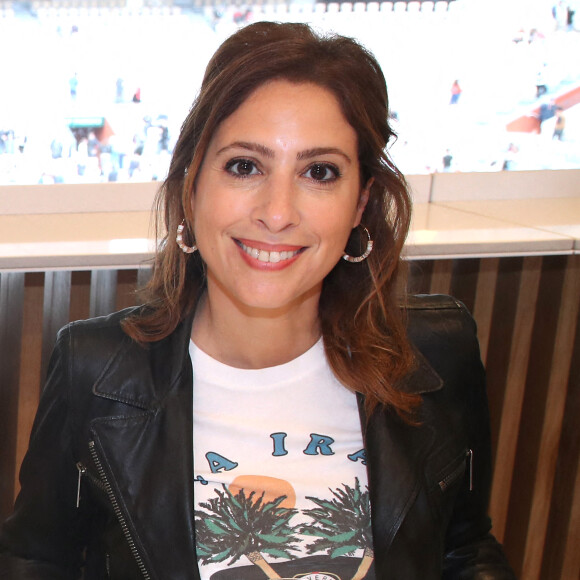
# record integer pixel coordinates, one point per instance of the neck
(254, 338)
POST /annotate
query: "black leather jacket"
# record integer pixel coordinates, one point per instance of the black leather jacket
(107, 481)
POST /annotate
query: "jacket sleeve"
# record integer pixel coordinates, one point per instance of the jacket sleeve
(43, 539)
(471, 552)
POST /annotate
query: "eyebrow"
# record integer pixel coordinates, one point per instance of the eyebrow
(270, 154)
(316, 151)
(266, 151)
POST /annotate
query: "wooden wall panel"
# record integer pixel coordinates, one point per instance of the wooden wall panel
(57, 287)
(514, 393)
(103, 292)
(80, 295)
(541, 352)
(558, 369)
(127, 283)
(484, 300)
(11, 309)
(464, 277)
(441, 277)
(561, 554)
(527, 311)
(29, 383)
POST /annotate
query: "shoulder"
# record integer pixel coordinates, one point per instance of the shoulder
(98, 355)
(95, 339)
(444, 334)
(98, 332)
(438, 323)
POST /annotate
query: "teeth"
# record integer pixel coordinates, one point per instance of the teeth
(264, 256)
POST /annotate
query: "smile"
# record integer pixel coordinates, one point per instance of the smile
(265, 256)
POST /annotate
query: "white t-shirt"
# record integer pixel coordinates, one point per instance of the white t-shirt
(279, 472)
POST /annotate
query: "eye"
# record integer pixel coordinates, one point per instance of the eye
(322, 172)
(242, 167)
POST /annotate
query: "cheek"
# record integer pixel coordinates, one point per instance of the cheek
(337, 235)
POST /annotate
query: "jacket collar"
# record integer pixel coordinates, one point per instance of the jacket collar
(150, 371)
(422, 378)
(143, 375)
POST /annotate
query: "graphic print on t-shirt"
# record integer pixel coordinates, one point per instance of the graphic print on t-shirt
(241, 521)
(280, 475)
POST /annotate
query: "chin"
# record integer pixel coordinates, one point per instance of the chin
(274, 301)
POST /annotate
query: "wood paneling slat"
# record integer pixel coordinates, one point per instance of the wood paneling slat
(552, 421)
(126, 287)
(499, 344)
(103, 292)
(418, 275)
(562, 555)
(534, 403)
(464, 278)
(80, 295)
(441, 277)
(571, 563)
(30, 364)
(484, 300)
(11, 307)
(57, 287)
(514, 393)
(560, 550)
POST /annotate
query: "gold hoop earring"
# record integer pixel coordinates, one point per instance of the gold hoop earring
(179, 239)
(363, 257)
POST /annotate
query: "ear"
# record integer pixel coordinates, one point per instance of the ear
(362, 201)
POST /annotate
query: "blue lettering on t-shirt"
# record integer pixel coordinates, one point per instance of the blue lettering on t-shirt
(358, 455)
(217, 462)
(319, 444)
(279, 448)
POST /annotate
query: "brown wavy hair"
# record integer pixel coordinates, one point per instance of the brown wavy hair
(361, 321)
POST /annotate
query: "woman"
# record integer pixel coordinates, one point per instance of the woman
(331, 433)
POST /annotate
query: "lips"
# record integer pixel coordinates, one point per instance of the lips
(268, 256)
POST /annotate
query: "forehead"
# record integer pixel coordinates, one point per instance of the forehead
(299, 111)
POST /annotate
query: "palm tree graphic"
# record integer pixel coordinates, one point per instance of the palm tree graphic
(238, 525)
(342, 525)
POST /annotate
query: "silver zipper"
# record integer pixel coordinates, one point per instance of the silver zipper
(117, 510)
(446, 482)
(470, 460)
(82, 470)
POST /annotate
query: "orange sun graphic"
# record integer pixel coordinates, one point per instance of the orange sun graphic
(271, 487)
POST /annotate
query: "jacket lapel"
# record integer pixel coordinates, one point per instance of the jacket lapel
(147, 453)
(396, 453)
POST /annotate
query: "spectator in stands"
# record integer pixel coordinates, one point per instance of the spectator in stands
(455, 93)
(73, 86)
(510, 157)
(82, 155)
(447, 161)
(560, 124)
(333, 425)
(546, 112)
(119, 90)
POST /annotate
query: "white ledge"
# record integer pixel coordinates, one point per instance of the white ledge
(109, 225)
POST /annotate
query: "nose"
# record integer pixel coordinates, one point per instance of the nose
(277, 204)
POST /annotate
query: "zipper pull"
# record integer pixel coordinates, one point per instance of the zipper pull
(82, 470)
(470, 467)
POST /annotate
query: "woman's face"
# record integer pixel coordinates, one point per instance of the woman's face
(276, 197)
